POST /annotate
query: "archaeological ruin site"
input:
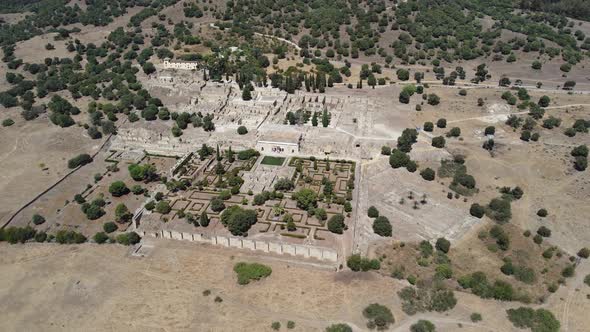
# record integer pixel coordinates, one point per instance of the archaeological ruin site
(295, 165)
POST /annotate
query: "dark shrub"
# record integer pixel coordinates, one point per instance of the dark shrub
(79, 160)
(100, 237)
(109, 227)
(336, 224)
(382, 226)
(379, 316)
(476, 210)
(443, 245)
(373, 212)
(38, 219)
(128, 238)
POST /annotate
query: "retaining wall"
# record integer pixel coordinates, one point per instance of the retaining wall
(304, 251)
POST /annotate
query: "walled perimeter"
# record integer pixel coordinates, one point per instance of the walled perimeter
(304, 251)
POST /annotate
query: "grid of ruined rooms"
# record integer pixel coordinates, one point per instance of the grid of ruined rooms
(310, 174)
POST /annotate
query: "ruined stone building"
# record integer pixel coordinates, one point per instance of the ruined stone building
(285, 143)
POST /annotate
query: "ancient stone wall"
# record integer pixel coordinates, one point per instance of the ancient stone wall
(180, 163)
(305, 251)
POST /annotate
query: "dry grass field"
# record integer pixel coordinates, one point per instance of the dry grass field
(34, 156)
(100, 288)
(471, 254)
(543, 169)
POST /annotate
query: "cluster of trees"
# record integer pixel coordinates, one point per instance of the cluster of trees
(520, 272)
(94, 209)
(536, 112)
(125, 239)
(428, 255)
(61, 111)
(49, 15)
(23, 234)
(381, 225)
(579, 126)
(340, 327)
(301, 117)
(69, 237)
(536, 320)
(238, 220)
(248, 154)
(408, 137)
(128, 239)
(146, 172)
(450, 31)
(306, 199)
(358, 263)
(15, 235)
(423, 326)
(499, 235)
(499, 209)
(580, 153)
(379, 316)
(399, 159)
(260, 199)
(434, 298)
(448, 20)
(109, 74)
(336, 224)
(570, 8)
(479, 285)
(284, 184)
(463, 183)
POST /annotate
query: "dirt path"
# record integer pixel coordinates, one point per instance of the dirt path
(498, 115)
(212, 25)
(565, 106)
(469, 85)
(376, 138)
(14, 147)
(279, 39)
(573, 294)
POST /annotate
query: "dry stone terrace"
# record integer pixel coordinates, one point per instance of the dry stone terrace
(258, 178)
